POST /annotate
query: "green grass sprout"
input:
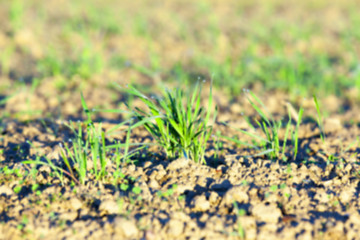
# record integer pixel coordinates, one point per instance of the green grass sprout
(239, 213)
(181, 125)
(270, 145)
(78, 155)
(55, 170)
(89, 144)
(295, 137)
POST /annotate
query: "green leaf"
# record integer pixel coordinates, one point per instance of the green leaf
(136, 190)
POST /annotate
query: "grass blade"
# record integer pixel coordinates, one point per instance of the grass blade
(319, 119)
(296, 134)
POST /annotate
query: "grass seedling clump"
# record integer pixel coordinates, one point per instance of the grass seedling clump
(89, 146)
(331, 156)
(94, 144)
(180, 125)
(272, 145)
(84, 147)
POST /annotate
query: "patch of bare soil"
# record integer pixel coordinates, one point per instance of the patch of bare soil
(235, 196)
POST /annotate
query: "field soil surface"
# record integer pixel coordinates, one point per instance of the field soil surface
(236, 195)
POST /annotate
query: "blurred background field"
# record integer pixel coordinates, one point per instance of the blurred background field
(52, 50)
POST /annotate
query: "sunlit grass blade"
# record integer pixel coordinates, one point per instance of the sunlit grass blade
(86, 109)
(127, 145)
(288, 126)
(257, 109)
(271, 143)
(262, 140)
(319, 119)
(296, 134)
(266, 152)
(102, 156)
(67, 162)
(238, 142)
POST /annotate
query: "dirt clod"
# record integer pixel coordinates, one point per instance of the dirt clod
(236, 193)
(5, 190)
(266, 212)
(176, 227)
(109, 207)
(126, 228)
(200, 203)
(178, 164)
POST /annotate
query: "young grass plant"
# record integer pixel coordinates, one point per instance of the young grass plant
(76, 158)
(319, 119)
(331, 156)
(94, 145)
(239, 213)
(182, 130)
(271, 145)
(89, 145)
(55, 170)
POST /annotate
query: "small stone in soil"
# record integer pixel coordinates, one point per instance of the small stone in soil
(200, 204)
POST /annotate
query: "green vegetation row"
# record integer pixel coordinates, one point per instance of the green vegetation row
(180, 126)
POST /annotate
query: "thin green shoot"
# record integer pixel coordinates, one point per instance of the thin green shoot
(319, 120)
(270, 143)
(239, 213)
(89, 143)
(288, 126)
(269, 126)
(56, 170)
(127, 144)
(77, 158)
(99, 149)
(218, 145)
(351, 145)
(296, 133)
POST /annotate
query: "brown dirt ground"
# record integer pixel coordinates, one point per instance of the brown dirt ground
(305, 199)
